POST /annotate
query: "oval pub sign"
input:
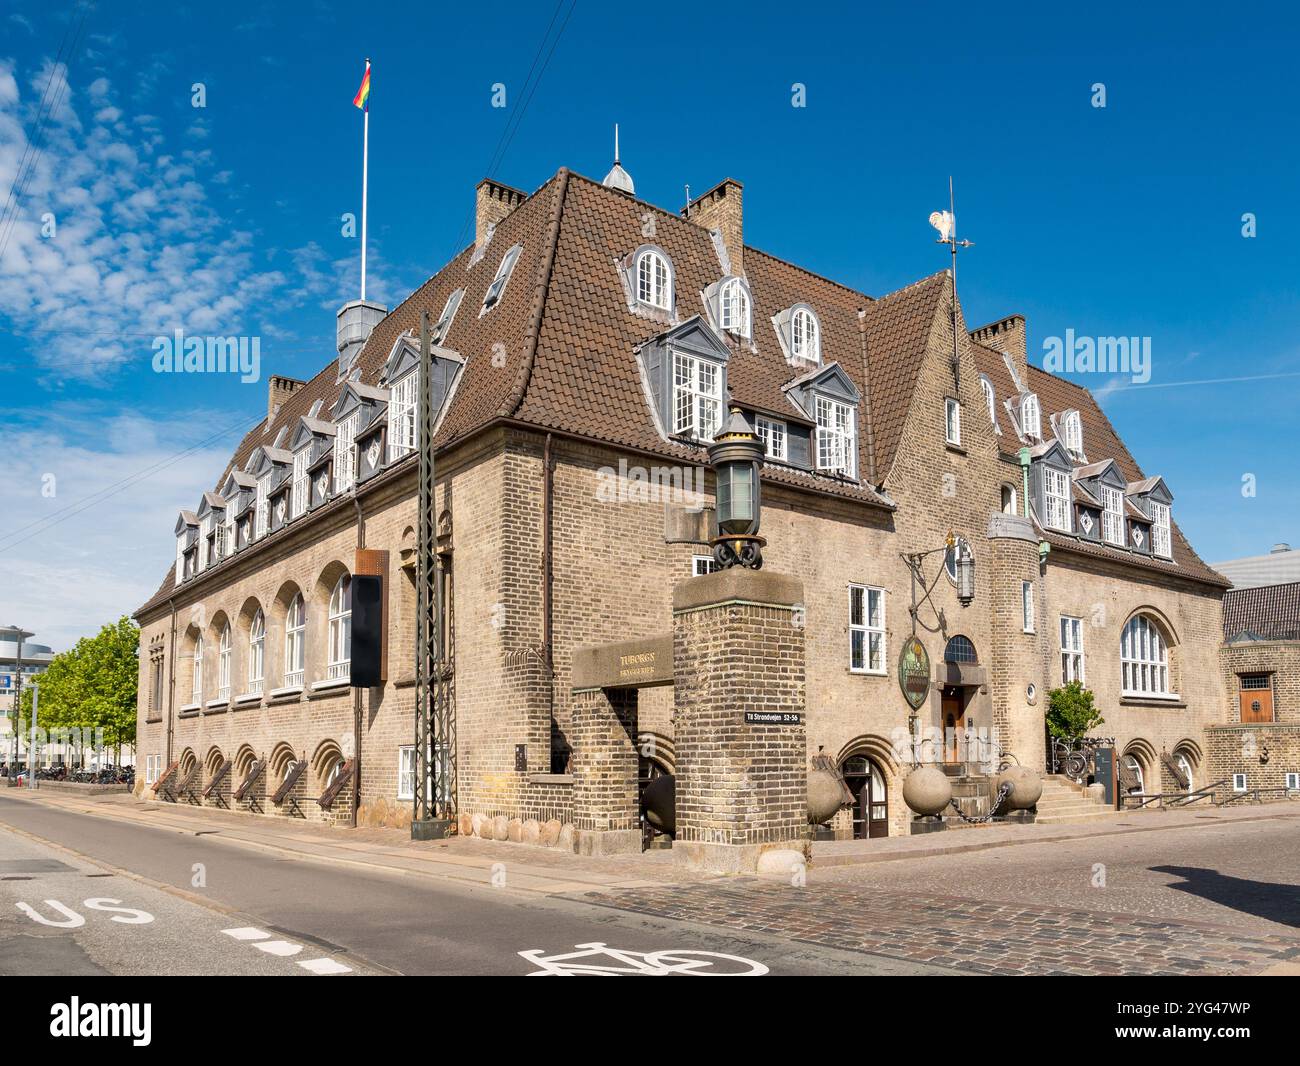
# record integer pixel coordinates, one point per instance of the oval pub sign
(914, 672)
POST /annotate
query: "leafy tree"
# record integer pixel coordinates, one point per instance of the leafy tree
(1070, 712)
(92, 686)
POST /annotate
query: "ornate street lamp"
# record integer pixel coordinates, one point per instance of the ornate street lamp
(964, 568)
(736, 455)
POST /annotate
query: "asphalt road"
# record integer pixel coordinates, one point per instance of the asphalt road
(368, 923)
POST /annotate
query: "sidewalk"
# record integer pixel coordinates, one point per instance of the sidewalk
(552, 872)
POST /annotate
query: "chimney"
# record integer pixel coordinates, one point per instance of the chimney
(1005, 335)
(355, 321)
(493, 202)
(722, 209)
(279, 390)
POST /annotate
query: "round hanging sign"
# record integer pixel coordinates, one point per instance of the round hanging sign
(914, 672)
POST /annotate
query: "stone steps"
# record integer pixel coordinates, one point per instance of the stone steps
(1065, 803)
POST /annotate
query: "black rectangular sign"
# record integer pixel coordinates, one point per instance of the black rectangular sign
(773, 718)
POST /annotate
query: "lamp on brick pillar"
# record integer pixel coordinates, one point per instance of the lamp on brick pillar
(736, 455)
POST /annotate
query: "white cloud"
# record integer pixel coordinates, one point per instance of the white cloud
(67, 574)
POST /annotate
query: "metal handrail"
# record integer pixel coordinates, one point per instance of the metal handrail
(1256, 794)
(1177, 799)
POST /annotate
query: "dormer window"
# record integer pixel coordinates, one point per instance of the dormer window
(1030, 418)
(448, 313)
(772, 432)
(986, 387)
(1161, 542)
(697, 396)
(262, 514)
(1112, 515)
(654, 280)
(1072, 427)
(401, 416)
(805, 335)
(498, 286)
(734, 307)
(300, 480)
(836, 437)
(1056, 493)
(345, 452)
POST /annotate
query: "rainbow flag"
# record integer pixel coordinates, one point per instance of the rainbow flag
(362, 99)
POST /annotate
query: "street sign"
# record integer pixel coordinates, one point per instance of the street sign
(914, 672)
(773, 718)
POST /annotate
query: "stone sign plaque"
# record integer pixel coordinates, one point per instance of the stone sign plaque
(914, 672)
(627, 664)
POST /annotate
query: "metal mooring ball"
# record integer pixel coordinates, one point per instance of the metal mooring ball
(1026, 788)
(927, 790)
(659, 804)
(827, 792)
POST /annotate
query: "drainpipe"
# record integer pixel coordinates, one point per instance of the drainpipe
(171, 682)
(1024, 480)
(356, 692)
(548, 476)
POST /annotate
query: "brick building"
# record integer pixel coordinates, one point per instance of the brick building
(587, 345)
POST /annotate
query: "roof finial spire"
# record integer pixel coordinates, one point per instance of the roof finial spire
(618, 178)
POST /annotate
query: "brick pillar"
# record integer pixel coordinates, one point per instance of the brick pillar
(605, 812)
(742, 788)
(1017, 658)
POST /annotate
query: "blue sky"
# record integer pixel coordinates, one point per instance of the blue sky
(1124, 220)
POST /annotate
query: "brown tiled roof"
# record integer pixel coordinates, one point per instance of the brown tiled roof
(1100, 441)
(1271, 612)
(558, 351)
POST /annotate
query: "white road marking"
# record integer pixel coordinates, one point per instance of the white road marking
(324, 966)
(282, 948)
(246, 933)
(616, 961)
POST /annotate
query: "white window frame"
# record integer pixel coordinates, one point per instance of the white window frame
(403, 401)
(952, 421)
(295, 641)
(256, 652)
(1073, 430)
(703, 564)
(1238, 782)
(775, 435)
(697, 396)
(1161, 536)
(223, 664)
(1291, 781)
(1144, 660)
(1112, 515)
(734, 308)
(340, 629)
(653, 278)
(152, 768)
(196, 675)
(1056, 499)
(1027, 606)
(1031, 416)
(494, 292)
(1012, 498)
(867, 635)
(407, 767)
(345, 451)
(986, 387)
(449, 310)
(1073, 662)
(301, 481)
(262, 514)
(805, 335)
(837, 448)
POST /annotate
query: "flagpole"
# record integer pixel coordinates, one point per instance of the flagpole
(365, 185)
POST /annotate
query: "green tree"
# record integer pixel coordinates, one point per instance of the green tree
(1070, 712)
(92, 686)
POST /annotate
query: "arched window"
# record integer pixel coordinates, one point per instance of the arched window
(805, 335)
(986, 387)
(197, 691)
(223, 664)
(733, 307)
(1030, 419)
(1144, 659)
(1133, 781)
(256, 652)
(870, 798)
(960, 650)
(1074, 433)
(653, 280)
(295, 642)
(1008, 499)
(340, 629)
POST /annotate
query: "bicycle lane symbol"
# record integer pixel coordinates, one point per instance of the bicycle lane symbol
(600, 960)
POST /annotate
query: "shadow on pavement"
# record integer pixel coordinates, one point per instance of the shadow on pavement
(1264, 899)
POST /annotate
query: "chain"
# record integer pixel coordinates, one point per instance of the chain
(1004, 790)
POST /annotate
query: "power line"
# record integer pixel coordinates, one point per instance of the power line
(48, 522)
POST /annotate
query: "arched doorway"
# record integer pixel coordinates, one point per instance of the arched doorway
(870, 798)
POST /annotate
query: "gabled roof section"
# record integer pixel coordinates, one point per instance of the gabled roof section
(186, 518)
(694, 335)
(831, 379)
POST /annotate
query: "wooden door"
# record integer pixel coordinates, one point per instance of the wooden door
(1256, 698)
(870, 802)
(954, 725)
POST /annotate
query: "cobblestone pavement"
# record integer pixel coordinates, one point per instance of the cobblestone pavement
(984, 937)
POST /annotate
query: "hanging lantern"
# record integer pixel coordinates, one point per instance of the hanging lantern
(964, 566)
(736, 455)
